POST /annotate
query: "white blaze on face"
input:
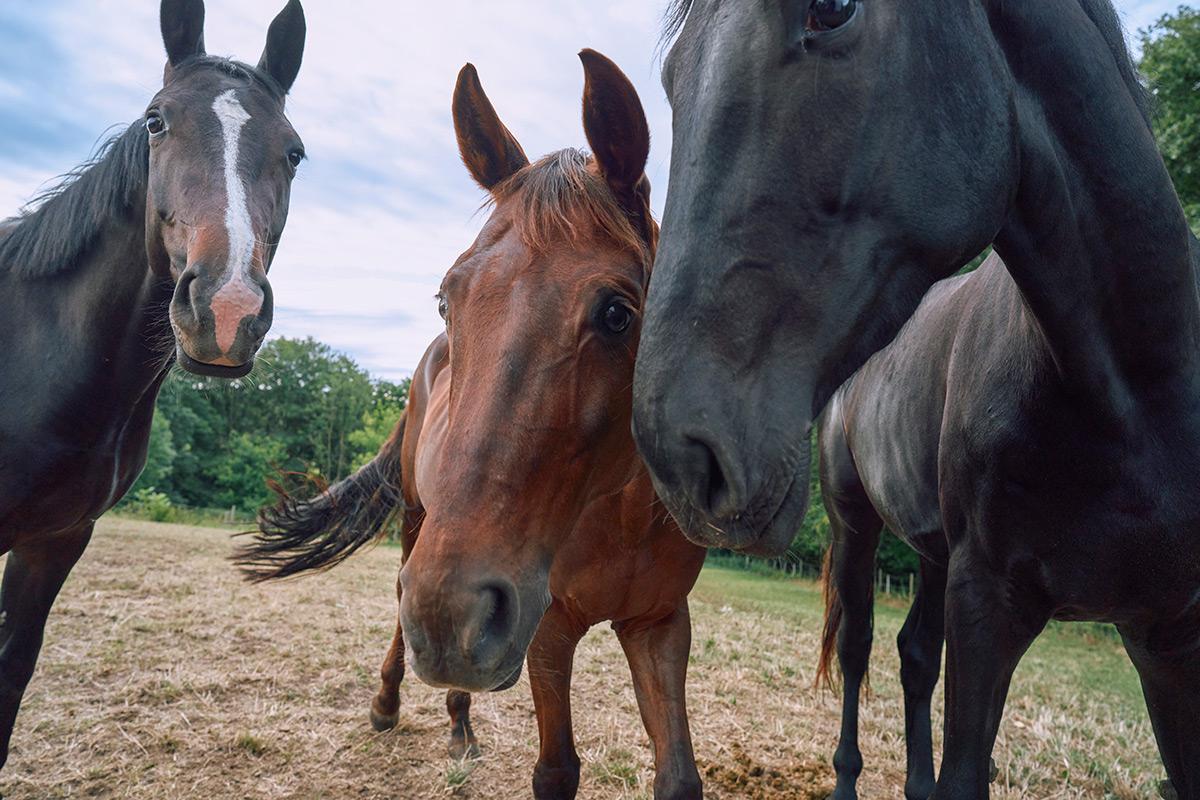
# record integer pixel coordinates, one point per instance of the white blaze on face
(238, 296)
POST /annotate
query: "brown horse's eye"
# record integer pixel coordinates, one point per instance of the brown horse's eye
(155, 125)
(295, 157)
(617, 317)
(825, 15)
(443, 307)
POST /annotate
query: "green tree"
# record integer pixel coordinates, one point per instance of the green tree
(388, 403)
(160, 457)
(240, 479)
(299, 411)
(1171, 66)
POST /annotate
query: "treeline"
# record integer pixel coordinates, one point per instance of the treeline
(305, 411)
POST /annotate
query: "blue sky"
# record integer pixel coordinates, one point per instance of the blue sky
(383, 207)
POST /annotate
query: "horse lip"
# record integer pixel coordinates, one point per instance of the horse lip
(212, 370)
(510, 681)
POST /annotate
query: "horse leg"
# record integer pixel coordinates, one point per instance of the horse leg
(920, 645)
(32, 578)
(462, 737)
(658, 659)
(855, 529)
(385, 707)
(1171, 685)
(551, 656)
(987, 632)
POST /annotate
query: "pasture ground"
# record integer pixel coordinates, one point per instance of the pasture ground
(165, 676)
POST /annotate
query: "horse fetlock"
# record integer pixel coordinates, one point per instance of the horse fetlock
(669, 785)
(1166, 790)
(463, 744)
(556, 783)
(847, 761)
(381, 721)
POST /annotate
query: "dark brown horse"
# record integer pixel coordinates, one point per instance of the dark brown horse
(528, 516)
(156, 252)
(1034, 431)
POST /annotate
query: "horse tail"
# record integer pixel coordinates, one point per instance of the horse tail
(318, 533)
(833, 621)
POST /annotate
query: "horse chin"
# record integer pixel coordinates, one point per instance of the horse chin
(510, 681)
(741, 535)
(211, 370)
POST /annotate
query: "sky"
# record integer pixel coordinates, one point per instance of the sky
(383, 206)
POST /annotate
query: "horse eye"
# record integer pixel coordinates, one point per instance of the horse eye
(443, 307)
(155, 124)
(295, 157)
(617, 317)
(825, 15)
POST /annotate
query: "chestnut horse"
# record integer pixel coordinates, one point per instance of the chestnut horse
(528, 515)
(155, 252)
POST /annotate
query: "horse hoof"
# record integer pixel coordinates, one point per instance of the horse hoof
(993, 770)
(383, 722)
(1166, 790)
(460, 750)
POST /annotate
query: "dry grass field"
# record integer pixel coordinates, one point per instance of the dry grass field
(165, 676)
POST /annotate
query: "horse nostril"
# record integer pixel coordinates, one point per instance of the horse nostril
(487, 634)
(712, 482)
(184, 302)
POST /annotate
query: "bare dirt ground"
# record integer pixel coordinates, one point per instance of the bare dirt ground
(165, 676)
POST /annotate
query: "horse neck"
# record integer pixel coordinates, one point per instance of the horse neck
(1096, 241)
(116, 313)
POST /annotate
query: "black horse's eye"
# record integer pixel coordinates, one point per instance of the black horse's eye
(295, 157)
(443, 307)
(155, 124)
(825, 15)
(616, 317)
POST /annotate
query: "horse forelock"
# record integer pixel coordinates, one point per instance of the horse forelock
(561, 198)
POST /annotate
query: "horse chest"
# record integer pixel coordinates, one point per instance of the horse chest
(56, 481)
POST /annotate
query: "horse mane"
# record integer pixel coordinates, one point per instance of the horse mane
(1101, 12)
(561, 198)
(59, 226)
(673, 19)
(1104, 16)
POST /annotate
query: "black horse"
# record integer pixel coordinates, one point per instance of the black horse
(1035, 430)
(155, 252)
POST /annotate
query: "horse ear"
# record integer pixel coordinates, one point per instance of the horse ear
(615, 123)
(285, 45)
(182, 23)
(488, 149)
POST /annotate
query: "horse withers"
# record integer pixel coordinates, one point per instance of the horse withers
(155, 252)
(1034, 430)
(528, 515)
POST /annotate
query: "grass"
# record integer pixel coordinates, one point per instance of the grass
(164, 675)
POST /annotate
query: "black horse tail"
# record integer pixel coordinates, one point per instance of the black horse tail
(317, 534)
(833, 621)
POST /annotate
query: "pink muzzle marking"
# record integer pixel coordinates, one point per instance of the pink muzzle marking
(237, 299)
